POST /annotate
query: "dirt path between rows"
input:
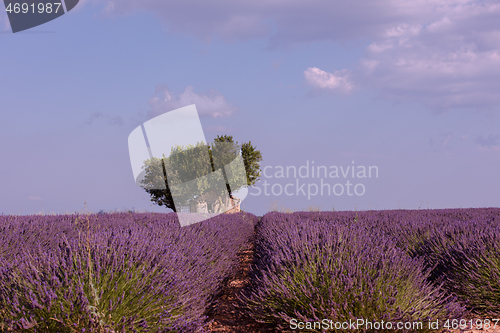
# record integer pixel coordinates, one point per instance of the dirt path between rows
(224, 315)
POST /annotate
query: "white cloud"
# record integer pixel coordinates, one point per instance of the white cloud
(450, 59)
(442, 53)
(338, 81)
(35, 198)
(288, 21)
(212, 104)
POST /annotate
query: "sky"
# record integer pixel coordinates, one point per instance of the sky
(407, 90)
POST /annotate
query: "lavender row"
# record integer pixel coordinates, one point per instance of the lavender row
(113, 272)
(378, 265)
(460, 247)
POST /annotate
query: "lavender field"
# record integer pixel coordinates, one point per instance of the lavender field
(125, 272)
(399, 265)
(142, 272)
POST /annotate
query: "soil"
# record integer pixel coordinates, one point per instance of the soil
(224, 315)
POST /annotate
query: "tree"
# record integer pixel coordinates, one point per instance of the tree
(201, 172)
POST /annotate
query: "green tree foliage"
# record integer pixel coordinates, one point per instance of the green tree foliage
(252, 158)
(192, 171)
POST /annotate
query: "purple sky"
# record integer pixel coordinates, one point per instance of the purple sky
(408, 87)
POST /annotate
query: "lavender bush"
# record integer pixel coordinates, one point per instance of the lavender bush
(113, 272)
(460, 247)
(477, 280)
